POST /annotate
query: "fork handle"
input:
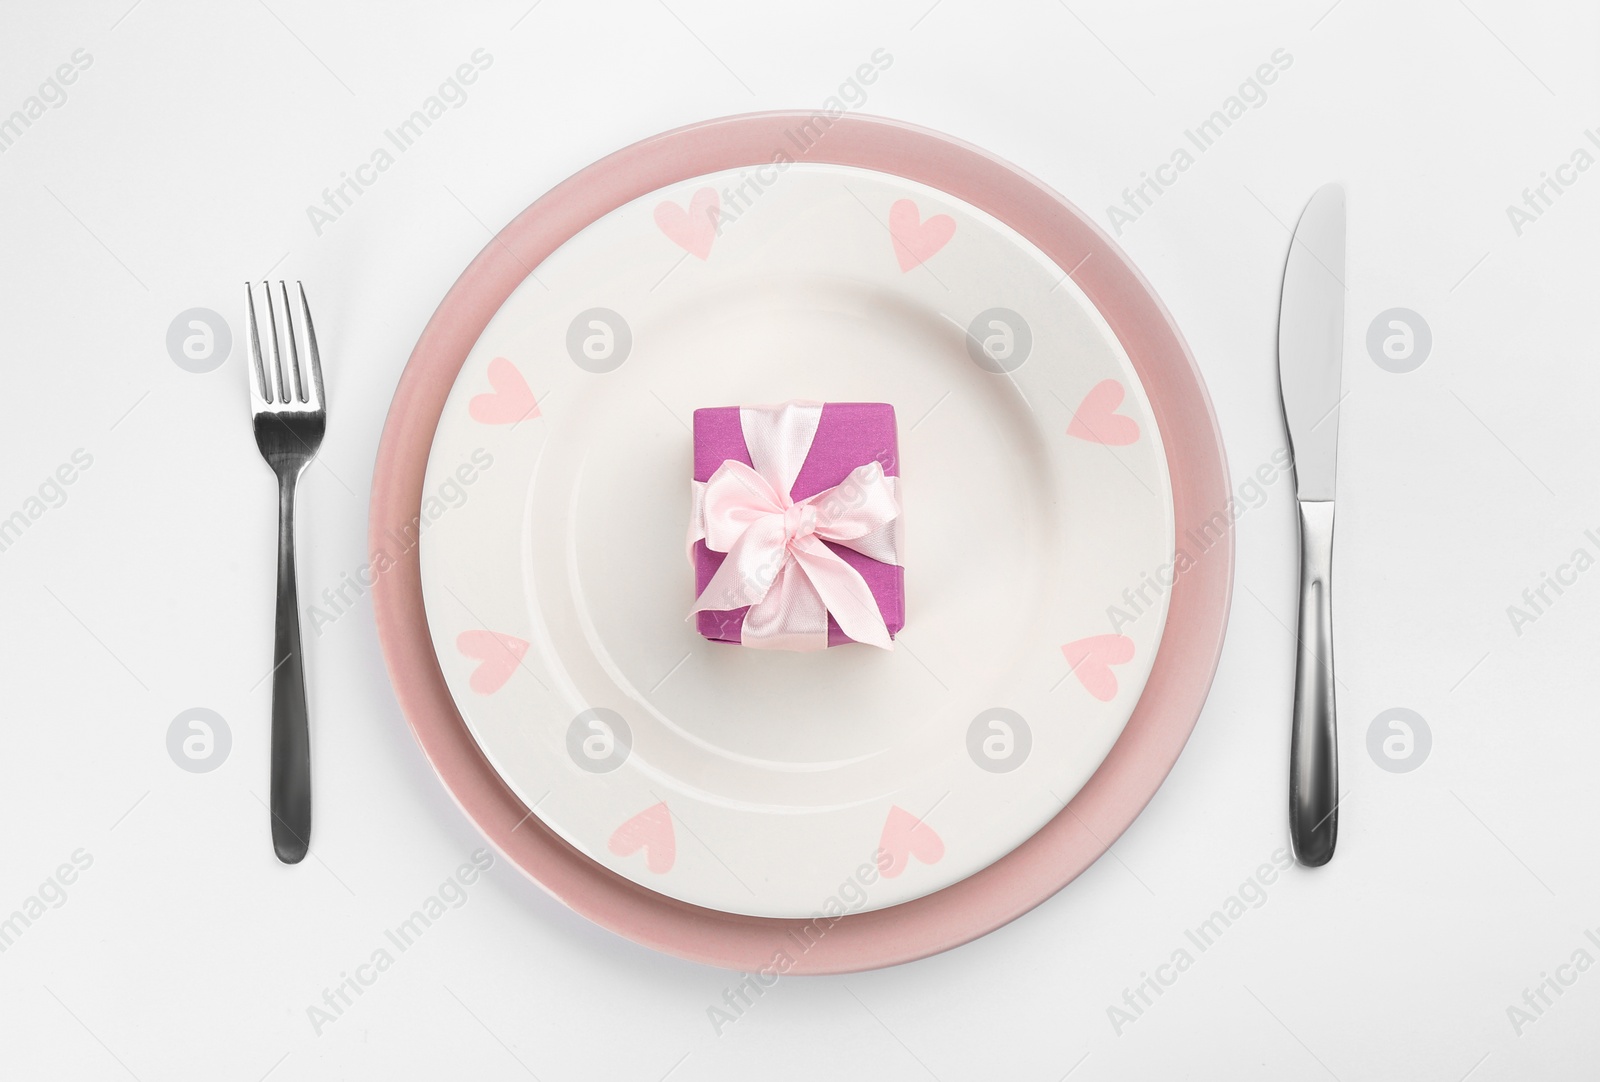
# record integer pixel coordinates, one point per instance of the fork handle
(1314, 746)
(291, 736)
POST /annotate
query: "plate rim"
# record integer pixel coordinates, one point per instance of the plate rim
(1186, 658)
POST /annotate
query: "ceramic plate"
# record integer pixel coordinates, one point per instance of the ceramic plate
(1036, 498)
(594, 487)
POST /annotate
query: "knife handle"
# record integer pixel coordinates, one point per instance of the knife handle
(1314, 748)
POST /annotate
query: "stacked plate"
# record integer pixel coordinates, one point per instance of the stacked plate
(1068, 551)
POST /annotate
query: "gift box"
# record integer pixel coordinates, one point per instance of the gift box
(795, 525)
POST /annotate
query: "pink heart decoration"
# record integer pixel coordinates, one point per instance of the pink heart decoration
(1097, 420)
(650, 830)
(905, 836)
(509, 402)
(917, 241)
(498, 655)
(694, 230)
(1091, 660)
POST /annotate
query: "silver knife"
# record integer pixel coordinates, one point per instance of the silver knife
(1310, 366)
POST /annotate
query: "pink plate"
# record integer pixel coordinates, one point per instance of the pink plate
(1183, 667)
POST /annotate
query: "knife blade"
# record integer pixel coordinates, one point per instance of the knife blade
(1310, 377)
(1311, 341)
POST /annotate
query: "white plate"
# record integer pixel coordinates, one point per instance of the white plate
(1038, 518)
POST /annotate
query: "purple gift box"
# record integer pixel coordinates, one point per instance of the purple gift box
(848, 435)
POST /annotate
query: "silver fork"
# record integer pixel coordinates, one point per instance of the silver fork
(289, 419)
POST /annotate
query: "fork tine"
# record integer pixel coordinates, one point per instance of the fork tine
(258, 381)
(313, 359)
(297, 383)
(273, 353)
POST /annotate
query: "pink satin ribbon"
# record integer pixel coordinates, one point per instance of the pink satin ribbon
(776, 561)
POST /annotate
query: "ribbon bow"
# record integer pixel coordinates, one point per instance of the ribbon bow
(777, 563)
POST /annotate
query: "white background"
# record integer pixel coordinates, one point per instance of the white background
(182, 162)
